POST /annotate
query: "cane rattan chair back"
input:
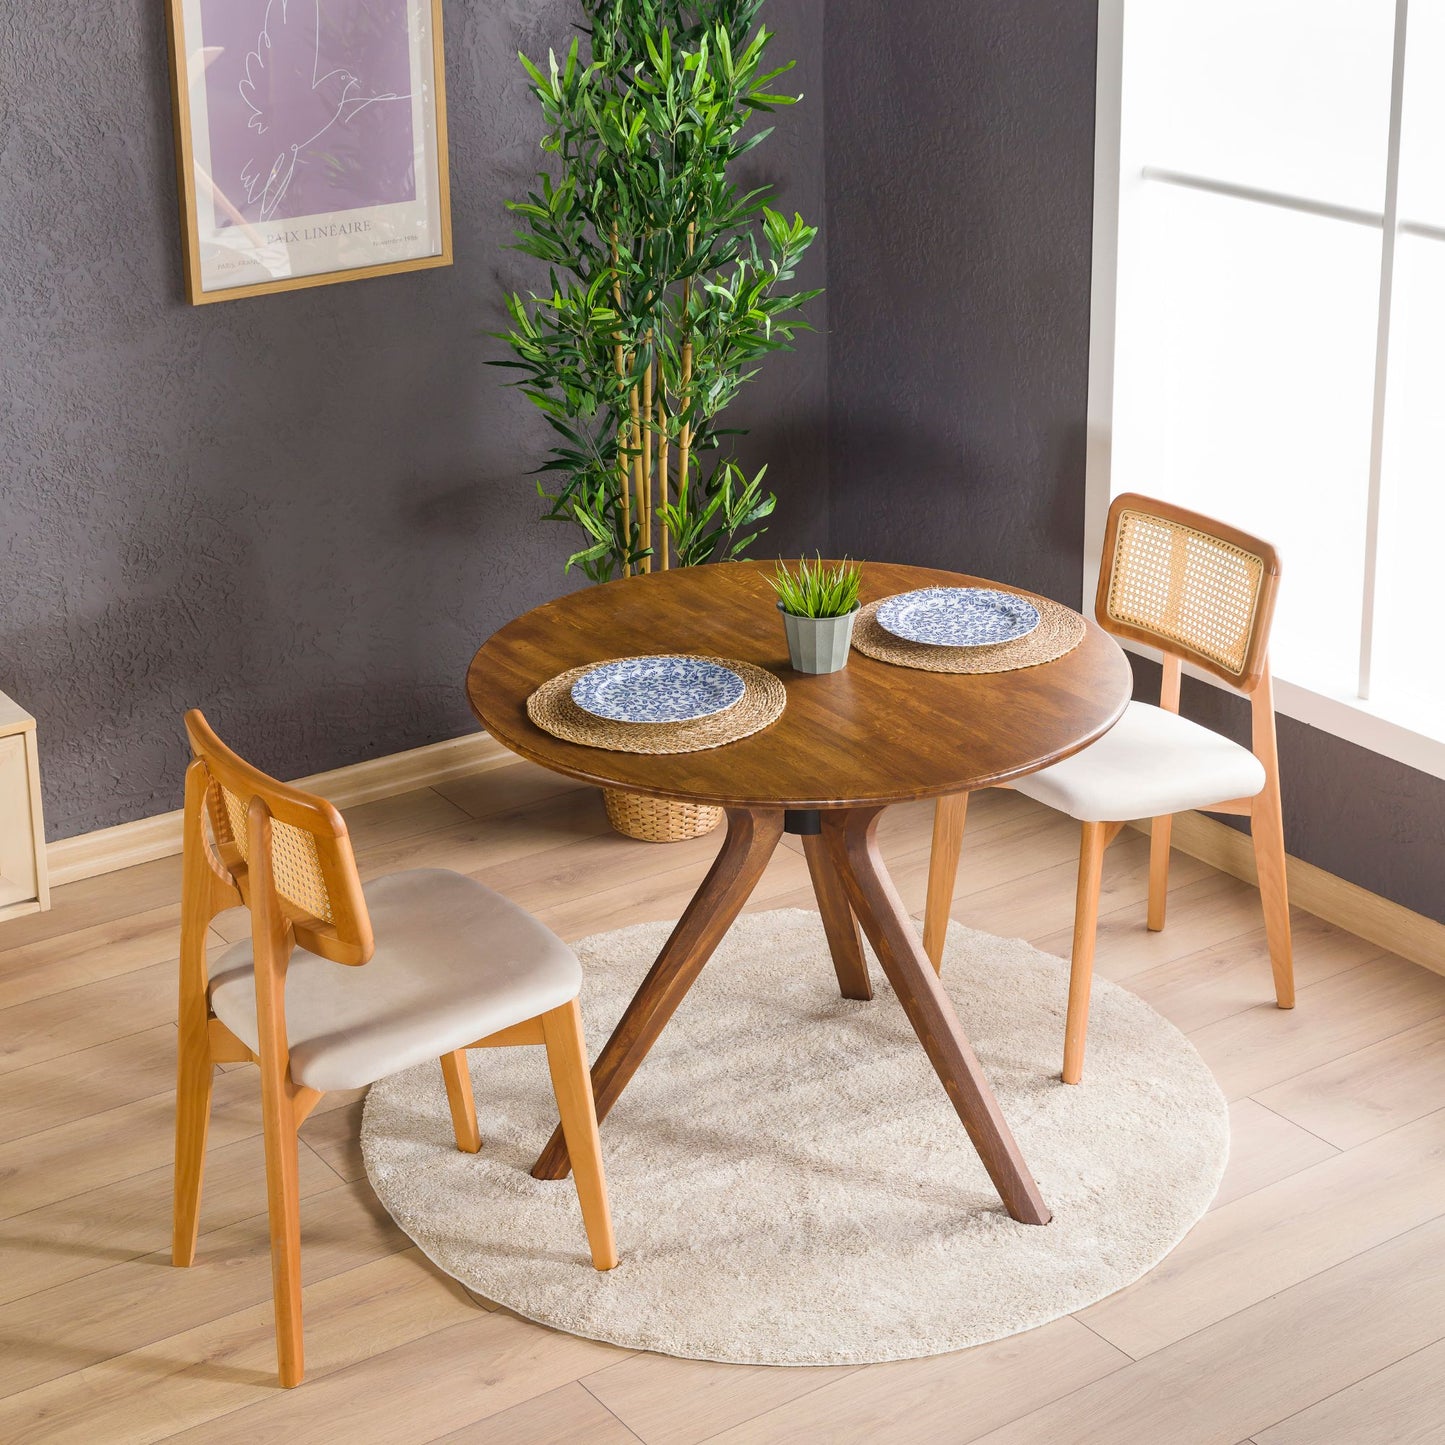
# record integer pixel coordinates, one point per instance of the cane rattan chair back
(1194, 587)
(312, 866)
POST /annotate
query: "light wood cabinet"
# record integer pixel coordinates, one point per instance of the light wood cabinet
(24, 886)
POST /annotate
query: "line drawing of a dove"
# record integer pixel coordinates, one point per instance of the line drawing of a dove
(291, 100)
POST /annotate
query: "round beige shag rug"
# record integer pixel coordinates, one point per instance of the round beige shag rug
(789, 1183)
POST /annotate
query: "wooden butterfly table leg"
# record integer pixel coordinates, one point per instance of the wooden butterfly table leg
(851, 836)
(854, 884)
(841, 928)
(752, 836)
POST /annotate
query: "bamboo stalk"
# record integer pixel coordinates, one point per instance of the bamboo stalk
(634, 406)
(684, 439)
(646, 513)
(661, 392)
(619, 360)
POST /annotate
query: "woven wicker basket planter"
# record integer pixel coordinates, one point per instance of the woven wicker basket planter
(658, 820)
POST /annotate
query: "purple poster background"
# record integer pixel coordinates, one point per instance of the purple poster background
(309, 105)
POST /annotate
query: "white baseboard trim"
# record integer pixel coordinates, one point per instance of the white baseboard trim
(1345, 904)
(108, 849)
(1337, 901)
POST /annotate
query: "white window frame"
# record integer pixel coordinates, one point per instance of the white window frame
(1353, 718)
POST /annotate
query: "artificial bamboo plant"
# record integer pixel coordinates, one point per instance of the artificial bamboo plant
(666, 281)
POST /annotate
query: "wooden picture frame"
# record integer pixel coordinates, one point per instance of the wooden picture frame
(311, 142)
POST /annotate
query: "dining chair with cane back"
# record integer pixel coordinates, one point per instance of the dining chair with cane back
(341, 984)
(1204, 593)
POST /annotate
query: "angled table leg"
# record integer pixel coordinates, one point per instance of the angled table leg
(751, 838)
(852, 842)
(949, 815)
(838, 921)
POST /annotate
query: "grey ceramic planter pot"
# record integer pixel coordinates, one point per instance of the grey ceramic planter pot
(818, 644)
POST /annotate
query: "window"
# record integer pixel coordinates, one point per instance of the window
(1269, 322)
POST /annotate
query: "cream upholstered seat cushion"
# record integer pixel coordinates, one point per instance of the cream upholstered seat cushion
(454, 962)
(1151, 762)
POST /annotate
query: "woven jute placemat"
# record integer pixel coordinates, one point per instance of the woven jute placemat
(552, 709)
(1060, 631)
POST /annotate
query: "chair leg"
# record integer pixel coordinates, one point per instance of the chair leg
(283, 1197)
(572, 1084)
(458, 1080)
(1266, 828)
(949, 815)
(1159, 833)
(1092, 842)
(194, 1073)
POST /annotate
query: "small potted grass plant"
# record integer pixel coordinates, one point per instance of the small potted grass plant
(819, 602)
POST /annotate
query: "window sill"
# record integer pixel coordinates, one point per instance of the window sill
(1366, 724)
(1392, 732)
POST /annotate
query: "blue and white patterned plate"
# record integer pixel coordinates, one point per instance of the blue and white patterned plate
(958, 616)
(658, 689)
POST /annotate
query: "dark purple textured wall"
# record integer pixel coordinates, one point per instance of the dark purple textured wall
(960, 165)
(301, 512)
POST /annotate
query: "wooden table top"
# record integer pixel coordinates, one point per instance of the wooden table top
(873, 733)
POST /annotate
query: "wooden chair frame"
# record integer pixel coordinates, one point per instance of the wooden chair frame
(224, 875)
(1251, 677)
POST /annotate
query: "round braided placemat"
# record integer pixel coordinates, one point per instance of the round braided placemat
(552, 709)
(1060, 631)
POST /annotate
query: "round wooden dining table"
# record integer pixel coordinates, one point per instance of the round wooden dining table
(848, 744)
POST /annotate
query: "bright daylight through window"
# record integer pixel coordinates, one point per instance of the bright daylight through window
(1279, 323)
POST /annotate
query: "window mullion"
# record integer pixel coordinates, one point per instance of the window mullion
(1389, 232)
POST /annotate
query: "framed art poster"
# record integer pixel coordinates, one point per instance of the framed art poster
(311, 141)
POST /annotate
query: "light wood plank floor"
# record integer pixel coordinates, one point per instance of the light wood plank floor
(1307, 1307)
